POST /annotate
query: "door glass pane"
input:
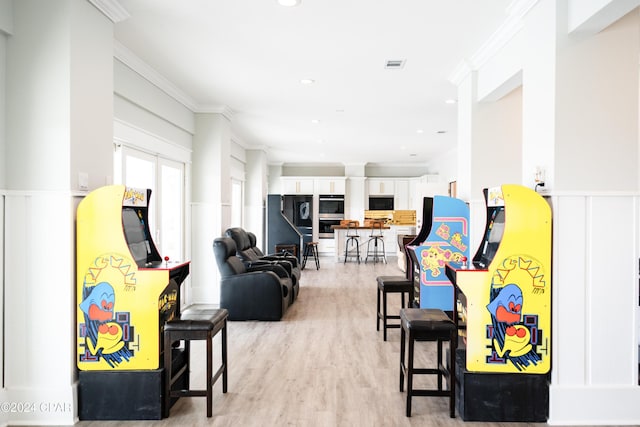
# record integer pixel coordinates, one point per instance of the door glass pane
(236, 203)
(171, 212)
(165, 178)
(140, 172)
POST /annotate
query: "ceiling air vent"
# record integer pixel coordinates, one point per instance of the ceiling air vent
(394, 64)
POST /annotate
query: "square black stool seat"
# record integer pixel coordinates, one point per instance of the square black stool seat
(391, 284)
(201, 324)
(428, 325)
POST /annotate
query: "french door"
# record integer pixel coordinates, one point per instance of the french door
(166, 179)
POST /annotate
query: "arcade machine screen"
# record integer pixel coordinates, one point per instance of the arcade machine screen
(136, 232)
(492, 238)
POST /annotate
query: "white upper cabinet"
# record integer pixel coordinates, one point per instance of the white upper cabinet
(401, 198)
(381, 187)
(330, 186)
(296, 185)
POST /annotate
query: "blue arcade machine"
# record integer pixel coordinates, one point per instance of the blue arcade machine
(445, 223)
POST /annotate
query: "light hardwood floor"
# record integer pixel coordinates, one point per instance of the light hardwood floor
(324, 364)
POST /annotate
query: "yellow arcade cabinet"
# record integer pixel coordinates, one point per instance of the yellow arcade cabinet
(504, 312)
(125, 293)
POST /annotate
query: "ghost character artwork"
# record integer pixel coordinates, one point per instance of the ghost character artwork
(512, 339)
(102, 331)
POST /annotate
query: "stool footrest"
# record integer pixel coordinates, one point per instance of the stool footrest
(429, 371)
(178, 374)
(188, 393)
(421, 392)
(393, 326)
(221, 371)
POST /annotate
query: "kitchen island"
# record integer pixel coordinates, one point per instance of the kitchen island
(390, 233)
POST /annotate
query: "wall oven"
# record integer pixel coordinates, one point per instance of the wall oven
(325, 222)
(330, 212)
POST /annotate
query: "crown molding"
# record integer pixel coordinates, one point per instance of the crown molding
(215, 109)
(112, 9)
(261, 147)
(514, 22)
(131, 60)
(462, 70)
(247, 145)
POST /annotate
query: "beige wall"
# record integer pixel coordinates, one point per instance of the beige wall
(497, 143)
(597, 109)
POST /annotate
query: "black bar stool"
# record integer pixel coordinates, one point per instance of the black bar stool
(426, 324)
(377, 239)
(353, 239)
(310, 249)
(388, 285)
(195, 325)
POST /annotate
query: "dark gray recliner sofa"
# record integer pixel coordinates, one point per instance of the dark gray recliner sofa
(251, 255)
(250, 293)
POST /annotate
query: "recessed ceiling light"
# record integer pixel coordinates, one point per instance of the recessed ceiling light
(315, 121)
(289, 3)
(419, 131)
(413, 155)
(450, 101)
(307, 81)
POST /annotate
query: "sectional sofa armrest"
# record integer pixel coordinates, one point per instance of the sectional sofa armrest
(272, 267)
(253, 296)
(290, 258)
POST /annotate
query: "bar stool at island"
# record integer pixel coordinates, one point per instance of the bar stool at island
(376, 238)
(353, 240)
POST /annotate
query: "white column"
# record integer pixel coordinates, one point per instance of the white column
(59, 121)
(355, 197)
(211, 201)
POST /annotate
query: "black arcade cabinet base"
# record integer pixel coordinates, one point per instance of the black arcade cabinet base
(497, 397)
(127, 395)
(120, 395)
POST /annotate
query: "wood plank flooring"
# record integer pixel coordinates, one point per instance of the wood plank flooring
(324, 364)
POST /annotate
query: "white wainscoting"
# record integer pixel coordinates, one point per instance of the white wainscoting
(39, 308)
(205, 276)
(595, 309)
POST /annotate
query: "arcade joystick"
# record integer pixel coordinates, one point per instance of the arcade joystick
(166, 261)
(464, 262)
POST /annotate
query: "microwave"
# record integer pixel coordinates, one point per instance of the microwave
(380, 203)
(332, 204)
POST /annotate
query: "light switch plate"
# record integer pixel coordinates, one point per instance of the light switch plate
(83, 180)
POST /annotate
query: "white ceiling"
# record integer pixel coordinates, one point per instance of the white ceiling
(249, 56)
